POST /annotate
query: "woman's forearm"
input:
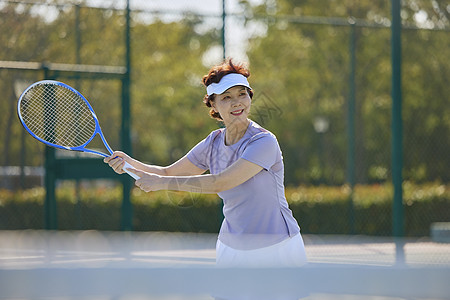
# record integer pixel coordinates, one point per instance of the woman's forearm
(149, 168)
(204, 184)
(238, 173)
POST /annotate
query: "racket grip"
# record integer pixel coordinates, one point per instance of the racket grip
(126, 167)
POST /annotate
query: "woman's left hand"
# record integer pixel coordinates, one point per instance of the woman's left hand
(148, 182)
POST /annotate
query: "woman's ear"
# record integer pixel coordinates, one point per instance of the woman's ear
(250, 93)
(213, 106)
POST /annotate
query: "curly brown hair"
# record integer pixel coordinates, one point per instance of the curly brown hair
(215, 74)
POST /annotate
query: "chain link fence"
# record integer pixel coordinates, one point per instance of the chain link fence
(301, 57)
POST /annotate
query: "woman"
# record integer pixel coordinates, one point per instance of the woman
(245, 169)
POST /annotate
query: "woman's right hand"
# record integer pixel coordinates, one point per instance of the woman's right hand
(117, 161)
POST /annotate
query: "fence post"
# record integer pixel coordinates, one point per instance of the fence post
(351, 125)
(224, 14)
(50, 207)
(397, 151)
(127, 209)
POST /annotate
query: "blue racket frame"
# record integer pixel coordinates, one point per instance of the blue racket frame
(81, 148)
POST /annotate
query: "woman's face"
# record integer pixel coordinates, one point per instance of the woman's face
(233, 105)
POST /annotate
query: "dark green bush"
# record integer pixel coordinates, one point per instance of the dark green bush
(319, 209)
(330, 210)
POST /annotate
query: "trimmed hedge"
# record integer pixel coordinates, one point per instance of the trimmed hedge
(319, 210)
(328, 210)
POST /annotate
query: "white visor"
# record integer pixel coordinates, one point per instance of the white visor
(227, 81)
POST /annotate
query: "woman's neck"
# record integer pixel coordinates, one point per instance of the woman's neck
(235, 131)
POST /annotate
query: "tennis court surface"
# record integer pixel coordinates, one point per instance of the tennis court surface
(124, 265)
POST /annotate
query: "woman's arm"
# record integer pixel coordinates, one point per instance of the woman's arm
(236, 174)
(181, 167)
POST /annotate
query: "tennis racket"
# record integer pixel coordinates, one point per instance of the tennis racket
(59, 116)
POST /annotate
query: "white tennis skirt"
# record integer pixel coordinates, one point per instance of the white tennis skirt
(288, 253)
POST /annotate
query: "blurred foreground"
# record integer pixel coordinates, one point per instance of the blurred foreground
(155, 265)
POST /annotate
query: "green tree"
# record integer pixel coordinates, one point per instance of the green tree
(168, 113)
(20, 41)
(304, 69)
(168, 117)
(300, 73)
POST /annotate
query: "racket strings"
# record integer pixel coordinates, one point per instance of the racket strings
(73, 119)
(69, 111)
(57, 115)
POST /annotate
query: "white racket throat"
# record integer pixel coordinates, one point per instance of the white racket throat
(126, 168)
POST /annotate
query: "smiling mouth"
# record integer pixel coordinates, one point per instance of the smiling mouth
(237, 112)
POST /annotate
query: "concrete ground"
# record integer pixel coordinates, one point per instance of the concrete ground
(337, 263)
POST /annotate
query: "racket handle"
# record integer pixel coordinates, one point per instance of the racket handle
(126, 167)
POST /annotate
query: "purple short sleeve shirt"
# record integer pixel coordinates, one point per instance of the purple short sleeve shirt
(256, 212)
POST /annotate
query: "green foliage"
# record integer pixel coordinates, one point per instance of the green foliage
(167, 95)
(300, 71)
(329, 210)
(304, 69)
(319, 210)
